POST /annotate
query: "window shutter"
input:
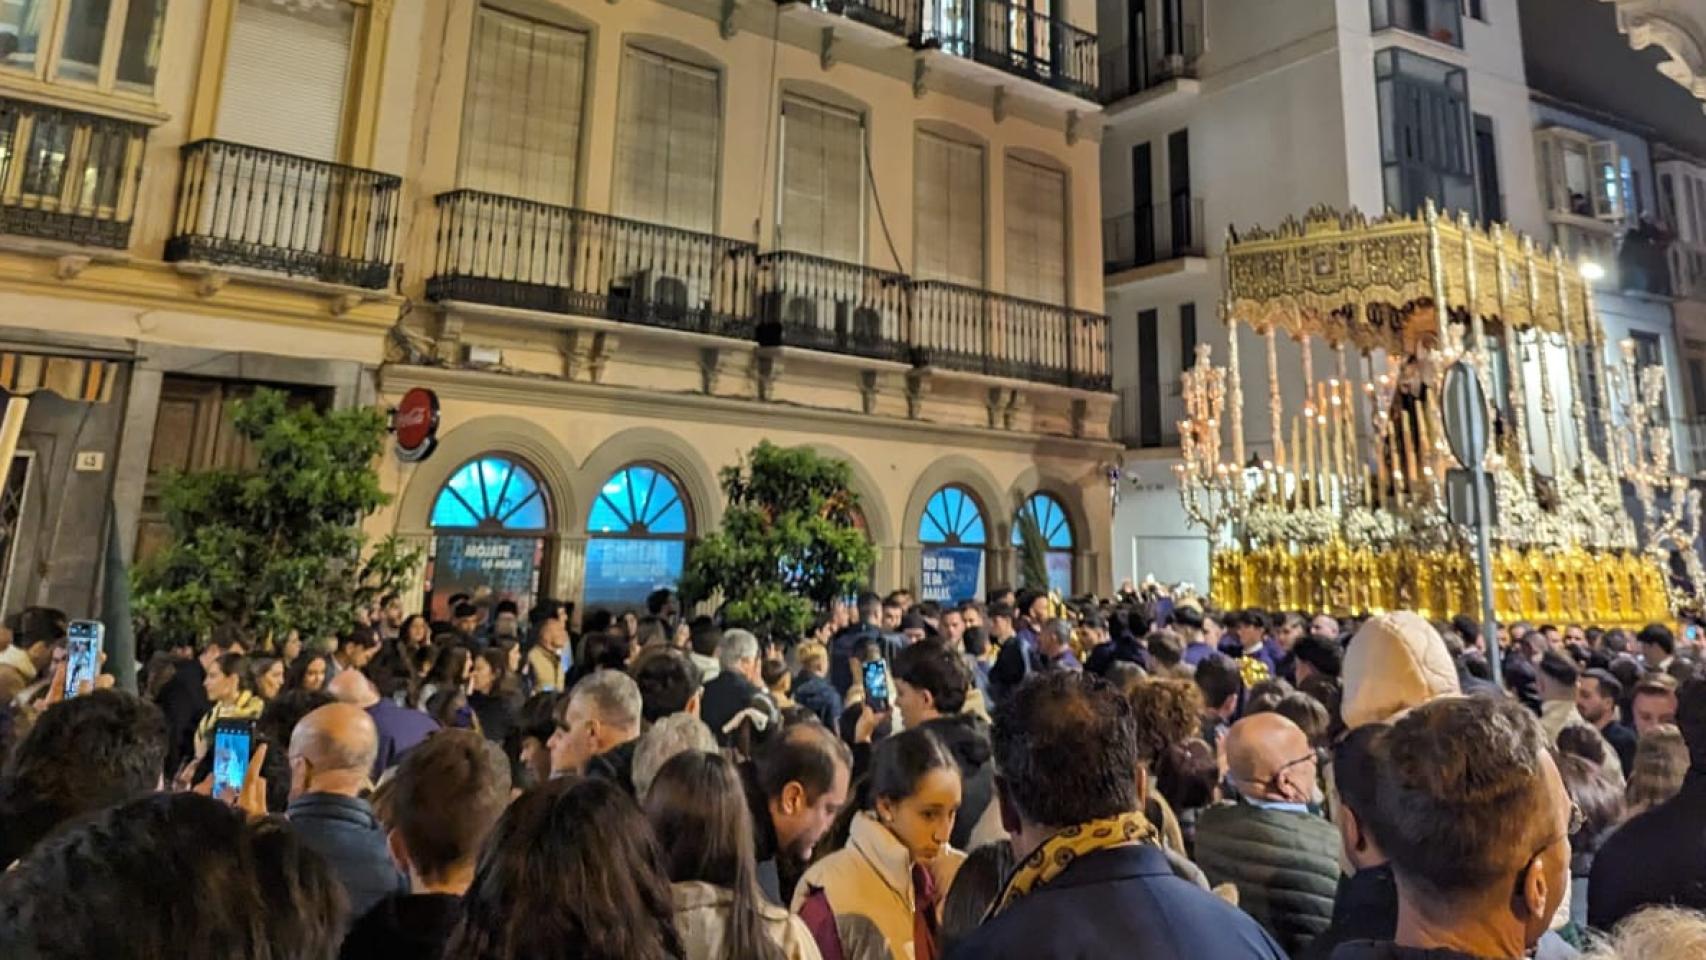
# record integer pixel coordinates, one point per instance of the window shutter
(949, 204)
(823, 180)
(1035, 232)
(285, 72)
(521, 119)
(667, 142)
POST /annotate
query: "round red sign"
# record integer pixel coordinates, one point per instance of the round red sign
(415, 422)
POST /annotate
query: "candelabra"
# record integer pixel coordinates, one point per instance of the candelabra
(1212, 493)
(1643, 449)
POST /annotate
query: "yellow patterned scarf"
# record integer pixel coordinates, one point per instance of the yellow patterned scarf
(1057, 853)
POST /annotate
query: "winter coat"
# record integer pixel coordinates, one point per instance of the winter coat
(871, 877)
(1657, 858)
(1285, 865)
(1395, 662)
(702, 919)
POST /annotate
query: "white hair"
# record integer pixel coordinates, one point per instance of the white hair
(674, 734)
(737, 645)
(613, 695)
(1656, 933)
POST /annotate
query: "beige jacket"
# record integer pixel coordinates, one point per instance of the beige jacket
(547, 669)
(1396, 662)
(871, 877)
(702, 918)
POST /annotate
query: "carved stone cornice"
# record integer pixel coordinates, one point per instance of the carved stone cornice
(1678, 27)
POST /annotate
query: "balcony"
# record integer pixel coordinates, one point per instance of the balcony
(898, 19)
(1155, 59)
(1438, 20)
(1166, 408)
(68, 176)
(1154, 233)
(1014, 39)
(241, 206)
(506, 252)
(1688, 270)
(822, 304)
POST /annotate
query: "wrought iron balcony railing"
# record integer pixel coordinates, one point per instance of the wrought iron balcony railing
(245, 206)
(1148, 61)
(508, 252)
(1033, 44)
(68, 175)
(899, 17)
(1152, 233)
(809, 301)
(964, 328)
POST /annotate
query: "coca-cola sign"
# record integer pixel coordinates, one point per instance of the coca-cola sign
(415, 422)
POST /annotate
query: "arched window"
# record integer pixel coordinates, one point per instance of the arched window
(638, 529)
(951, 532)
(1056, 530)
(491, 521)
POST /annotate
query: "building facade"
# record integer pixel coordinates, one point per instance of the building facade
(622, 243)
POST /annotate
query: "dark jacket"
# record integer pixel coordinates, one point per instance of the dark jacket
(1366, 908)
(1658, 857)
(1123, 647)
(815, 694)
(400, 730)
(1017, 660)
(1522, 680)
(967, 737)
(1284, 864)
(345, 832)
(1376, 950)
(183, 701)
(778, 875)
(1622, 739)
(1120, 902)
(404, 927)
(616, 765)
(497, 714)
(843, 646)
(726, 695)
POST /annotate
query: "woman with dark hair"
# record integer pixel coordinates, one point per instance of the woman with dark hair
(978, 883)
(450, 671)
(897, 864)
(571, 871)
(490, 697)
(266, 677)
(699, 811)
(308, 673)
(232, 693)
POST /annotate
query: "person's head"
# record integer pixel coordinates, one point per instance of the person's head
(804, 776)
(1065, 754)
(1166, 648)
(1167, 713)
(465, 617)
(982, 875)
(1654, 704)
(332, 751)
(1356, 775)
(698, 810)
(533, 730)
(915, 791)
(1309, 714)
(1396, 661)
(1661, 764)
(952, 626)
(308, 673)
(266, 677)
(227, 678)
(1597, 695)
(353, 687)
(1654, 933)
(1584, 741)
(80, 755)
(1455, 769)
(1657, 644)
(668, 681)
(914, 627)
(813, 658)
(674, 734)
(1558, 677)
(893, 611)
(931, 680)
(1054, 638)
(1250, 627)
(415, 632)
(1324, 627)
(1213, 628)
(1220, 681)
(738, 653)
(553, 634)
(602, 712)
(1001, 621)
(357, 648)
(1291, 629)
(487, 670)
(1314, 655)
(446, 796)
(870, 609)
(548, 886)
(1270, 758)
(258, 890)
(1594, 793)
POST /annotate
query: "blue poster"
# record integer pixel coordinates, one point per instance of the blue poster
(620, 573)
(1060, 572)
(499, 568)
(952, 574)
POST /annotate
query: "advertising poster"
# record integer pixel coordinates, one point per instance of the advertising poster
(952, 574)
(620, 573)
(501, 568)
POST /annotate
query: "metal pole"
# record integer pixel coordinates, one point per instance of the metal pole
(1484, 555)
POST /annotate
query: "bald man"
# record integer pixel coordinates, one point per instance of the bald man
(1268, 841)
(331, 755)
(400, 729)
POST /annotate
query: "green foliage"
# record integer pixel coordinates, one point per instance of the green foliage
(1033, 553)
(275, 546)
(788, 545)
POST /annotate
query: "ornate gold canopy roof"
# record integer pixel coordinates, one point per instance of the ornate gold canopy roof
(1374, 283)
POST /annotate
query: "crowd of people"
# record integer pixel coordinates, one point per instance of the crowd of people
(1012, 777)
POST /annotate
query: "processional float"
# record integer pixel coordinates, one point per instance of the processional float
(1344, 508)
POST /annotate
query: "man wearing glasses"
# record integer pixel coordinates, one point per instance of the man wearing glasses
(1477, 824)
(1269, 842)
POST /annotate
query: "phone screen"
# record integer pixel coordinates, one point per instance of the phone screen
(83, 655)
(877, 684)
(233, 741)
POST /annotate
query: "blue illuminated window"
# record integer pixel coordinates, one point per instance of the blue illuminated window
(1051, 520)
(952, 517)
(638, 501)
(491, 493)
(639, 526)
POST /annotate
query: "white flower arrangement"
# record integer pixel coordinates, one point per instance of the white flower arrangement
(1374, 528)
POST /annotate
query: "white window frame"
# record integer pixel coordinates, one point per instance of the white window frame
(1597, 154)
(50, 49)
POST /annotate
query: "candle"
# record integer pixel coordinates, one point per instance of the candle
(1403, 461)
(1295, 461)
(1337, 405)
(1313, 496)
